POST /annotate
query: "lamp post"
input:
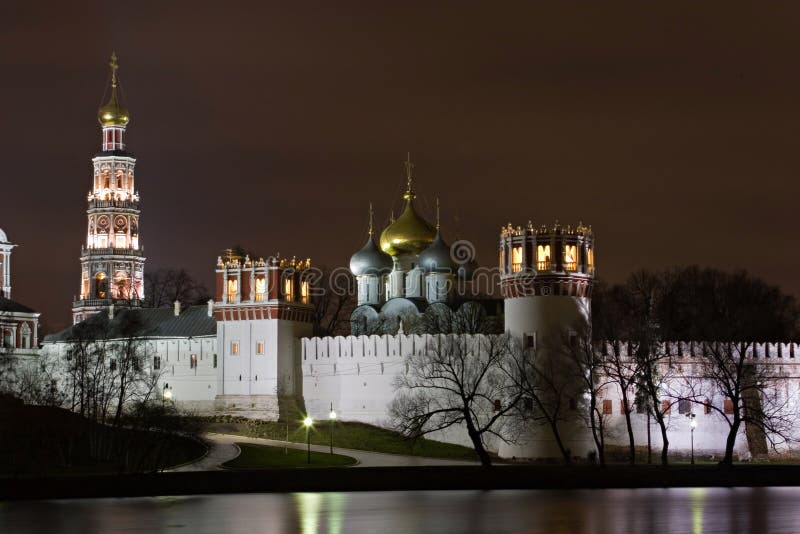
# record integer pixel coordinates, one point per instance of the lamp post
(307, 422)
(167, 395)
(332, 418)
(692, 426)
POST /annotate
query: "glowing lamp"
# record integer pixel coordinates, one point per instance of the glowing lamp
(307, 422)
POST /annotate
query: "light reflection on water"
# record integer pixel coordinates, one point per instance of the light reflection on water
(677, 510)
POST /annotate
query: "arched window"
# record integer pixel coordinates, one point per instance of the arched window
(570, 257)
(516, 259)
(121, 286)
(261, 288)
(25, 335)
(288, 289)
(543, 258)
(233, 289)
(8, 338)
(590, 259)
(100, 286)
(304, 291)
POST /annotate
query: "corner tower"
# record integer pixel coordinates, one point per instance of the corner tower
(546, 279)
(112, 258)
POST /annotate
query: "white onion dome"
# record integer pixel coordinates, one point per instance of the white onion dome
(370, 260)
(436, 258)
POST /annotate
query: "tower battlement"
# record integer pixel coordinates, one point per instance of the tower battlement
(555, 260)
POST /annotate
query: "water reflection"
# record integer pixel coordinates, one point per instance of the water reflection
(707, 511)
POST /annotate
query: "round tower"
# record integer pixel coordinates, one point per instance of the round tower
(112, 258)
(546, 278)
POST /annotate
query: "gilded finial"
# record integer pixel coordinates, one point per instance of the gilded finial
(437, 214)
(409, 178)
(114, 66)
(370, 220)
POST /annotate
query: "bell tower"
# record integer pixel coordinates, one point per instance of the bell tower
(112, 258)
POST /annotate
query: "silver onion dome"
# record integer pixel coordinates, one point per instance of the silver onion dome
(370, 260)
(436, 258)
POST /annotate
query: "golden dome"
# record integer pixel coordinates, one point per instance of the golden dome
(113, 113)
(410, 233)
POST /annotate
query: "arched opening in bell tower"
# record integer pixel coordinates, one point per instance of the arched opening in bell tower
(101, 286)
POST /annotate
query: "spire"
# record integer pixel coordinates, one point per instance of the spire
(370, 220)
(437, 214)
(409, 194)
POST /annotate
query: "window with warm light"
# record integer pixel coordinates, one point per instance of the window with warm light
(261, 288)
(502, 259)
(570, 257)
(235, 348)
(543, 258)
(101, 241)
(120, 243)
(260, 347)
(288, 289)
(101, 285)
(304, 291)
(516, 259)
(193, 361)
(233, 289)
(590, 258)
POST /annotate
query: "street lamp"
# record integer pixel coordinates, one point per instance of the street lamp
(332, 417)
(692, 426)
(308, 422)
(167, 396)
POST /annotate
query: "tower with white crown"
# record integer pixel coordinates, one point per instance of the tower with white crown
(112, 258)
(546, 279)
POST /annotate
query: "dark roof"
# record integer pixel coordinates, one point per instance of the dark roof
(8, 305)
(145, 322)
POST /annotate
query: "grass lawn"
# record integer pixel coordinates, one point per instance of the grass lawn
(257, 456)
(359, 436)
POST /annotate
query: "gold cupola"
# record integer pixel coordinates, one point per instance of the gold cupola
(409, 233)
(113, 113)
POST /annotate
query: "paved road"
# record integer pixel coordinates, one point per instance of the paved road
(223, 448)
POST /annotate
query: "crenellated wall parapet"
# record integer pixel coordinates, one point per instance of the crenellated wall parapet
(387, 346)
(777, 353)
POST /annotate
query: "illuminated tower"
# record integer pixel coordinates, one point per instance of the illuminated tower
(112, 260)
(546, 279)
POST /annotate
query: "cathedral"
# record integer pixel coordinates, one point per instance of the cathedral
(252, 344)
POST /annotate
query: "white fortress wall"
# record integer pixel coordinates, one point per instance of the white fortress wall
(356, 374)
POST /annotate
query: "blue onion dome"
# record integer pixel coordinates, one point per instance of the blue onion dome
(436, 258)
(370, 260)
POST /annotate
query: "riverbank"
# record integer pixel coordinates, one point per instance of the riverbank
(397, 479)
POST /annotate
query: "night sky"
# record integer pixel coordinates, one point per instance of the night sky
(670, 128)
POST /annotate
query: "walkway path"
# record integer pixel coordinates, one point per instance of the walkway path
(223, 449)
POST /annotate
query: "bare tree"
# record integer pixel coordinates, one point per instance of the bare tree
(547, 392)
(165, 286)
(332, 294)
(457, 380)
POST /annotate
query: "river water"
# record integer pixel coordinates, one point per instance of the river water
(674, 511)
